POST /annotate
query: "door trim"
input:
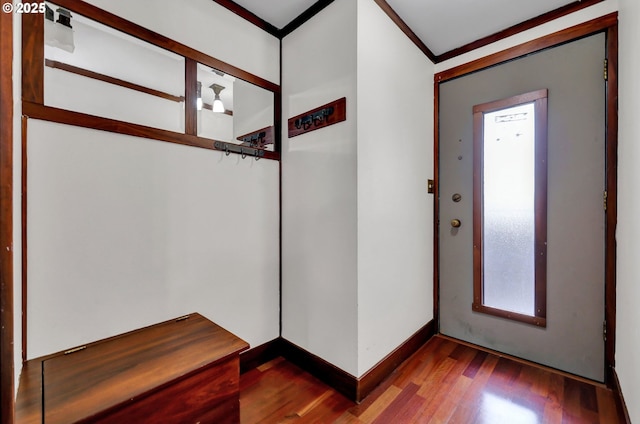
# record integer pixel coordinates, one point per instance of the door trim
(566, 35)
(7, 371)
(609, 25)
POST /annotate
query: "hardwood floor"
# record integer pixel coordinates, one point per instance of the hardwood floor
(444, 382)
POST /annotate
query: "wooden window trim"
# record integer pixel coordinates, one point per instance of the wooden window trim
(62, 116)
(191, 96)
(33, 58)
(33, 63)
(539, 99)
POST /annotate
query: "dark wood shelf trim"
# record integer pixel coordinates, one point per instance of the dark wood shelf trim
(569, 34)
(51, 114)
(516, 29)
(111, 80)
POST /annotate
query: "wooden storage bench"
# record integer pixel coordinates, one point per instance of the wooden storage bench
(182, 371)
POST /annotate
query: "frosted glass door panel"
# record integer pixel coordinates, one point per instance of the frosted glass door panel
(508, 209)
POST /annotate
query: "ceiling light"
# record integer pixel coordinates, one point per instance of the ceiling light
(218, 106)
(60, 33)
(64, 17)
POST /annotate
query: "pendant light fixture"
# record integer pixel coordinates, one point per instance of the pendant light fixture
(218, 106)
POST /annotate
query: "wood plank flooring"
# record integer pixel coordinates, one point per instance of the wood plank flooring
(444, 382)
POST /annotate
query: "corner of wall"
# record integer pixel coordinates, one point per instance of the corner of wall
(395, 212)
(319, 275)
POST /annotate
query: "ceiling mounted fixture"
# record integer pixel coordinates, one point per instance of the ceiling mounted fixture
(59, 33)
(218, 106)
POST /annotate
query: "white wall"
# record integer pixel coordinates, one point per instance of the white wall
(125, 232)
(357, 221)
(319, 194)
(628, 231)
(395, 213)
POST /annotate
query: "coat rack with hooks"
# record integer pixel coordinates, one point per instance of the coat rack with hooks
(244, 151)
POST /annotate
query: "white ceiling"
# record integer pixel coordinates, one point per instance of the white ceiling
(442, 25)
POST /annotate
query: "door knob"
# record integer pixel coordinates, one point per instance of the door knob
(455, 223)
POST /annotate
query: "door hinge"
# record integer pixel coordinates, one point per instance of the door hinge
(604, 331)
(604, 200)
(606, 70)
(431, 186)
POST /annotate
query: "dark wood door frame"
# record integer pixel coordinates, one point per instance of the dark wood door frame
(609, 25)
(6, 219)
